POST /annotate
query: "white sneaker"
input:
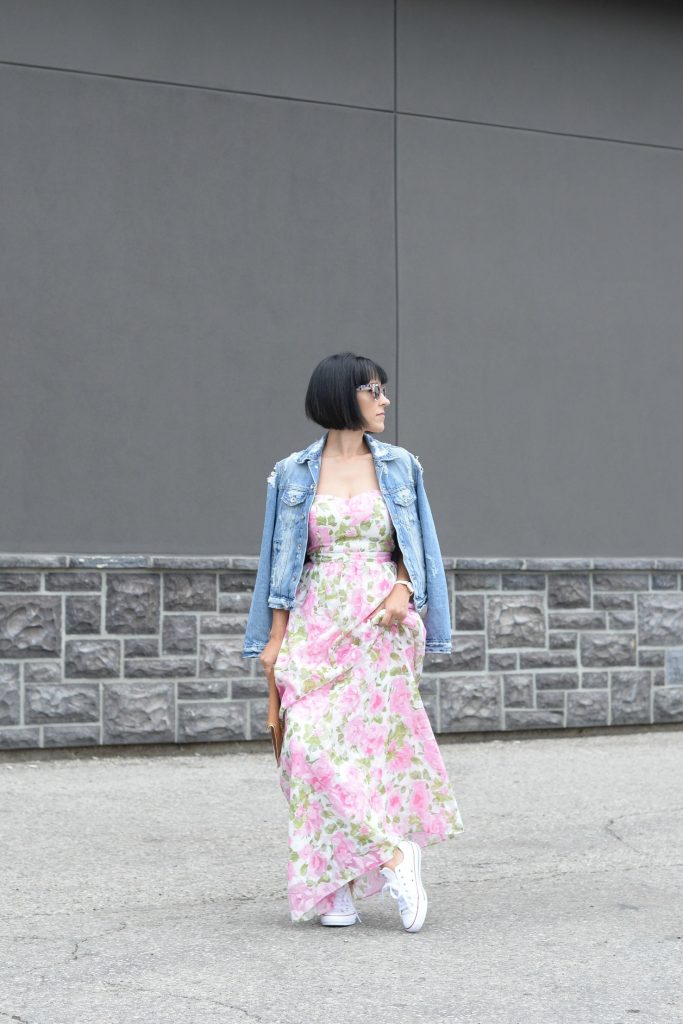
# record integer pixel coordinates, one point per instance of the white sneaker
(343, 911)
(405, 884)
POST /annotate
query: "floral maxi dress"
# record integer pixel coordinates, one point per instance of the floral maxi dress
(359, 767)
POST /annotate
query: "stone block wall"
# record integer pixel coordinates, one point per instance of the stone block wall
(116, 650)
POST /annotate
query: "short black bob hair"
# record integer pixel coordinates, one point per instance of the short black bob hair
(331, 396)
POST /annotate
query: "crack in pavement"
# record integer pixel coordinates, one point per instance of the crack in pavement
(189, 999)
(99, 935)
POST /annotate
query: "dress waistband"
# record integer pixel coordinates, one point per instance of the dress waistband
(342, 554)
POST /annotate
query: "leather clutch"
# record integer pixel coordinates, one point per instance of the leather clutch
(274, 721)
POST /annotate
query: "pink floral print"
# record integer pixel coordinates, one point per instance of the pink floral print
(360, 767)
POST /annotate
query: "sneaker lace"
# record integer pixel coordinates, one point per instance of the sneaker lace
(399, 892)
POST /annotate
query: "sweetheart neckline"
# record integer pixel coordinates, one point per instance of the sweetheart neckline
(375, 490)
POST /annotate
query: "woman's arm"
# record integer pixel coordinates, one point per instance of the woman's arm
(280, 620)
(402, 572)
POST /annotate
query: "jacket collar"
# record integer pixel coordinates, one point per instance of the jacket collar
(380, 450)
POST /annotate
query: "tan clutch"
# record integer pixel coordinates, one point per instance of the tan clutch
(274, 721)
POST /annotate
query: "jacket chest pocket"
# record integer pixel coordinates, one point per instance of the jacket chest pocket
(406, 504)
(291, 509)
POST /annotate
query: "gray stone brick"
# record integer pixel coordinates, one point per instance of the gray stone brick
(674, 667)
(79, 735)
(190, 592)
(62, 702)
(10, 695)
(664, 581)
(621, 620)
(487, 564)
(212, 722)
(558, 564)
(10, 672)
(502, 661)
(222, 625)
(133, 602)
(138, 712)
(431, 707)
(594, 680)
(614, 601)
(659, 677)
(179, 634)
(235, 604)
(518, 691)
(15, 737)
(545, 718)
(82, 614)
(476, 581)
(576, 620)
(43, 672)
(660, 619)
(562, 641)
(159, 668)
(557, 681)
(222, 658)
(469, 611)
(202, 689)
(141, 647)
(569, 590)
(607, 649)
(630, 692)
(516, 620)
(668, 704)
(258, 714)
(19, 581)
(470, 703)
(236, 581)
(550, 699)
(30, 627)
(523, 581)
(70, 581)
(587, 707)
(468, 655)
(428, 686)
(651, 658)
(547, 659)
(244, 688)
(92, 659)
(621, 581)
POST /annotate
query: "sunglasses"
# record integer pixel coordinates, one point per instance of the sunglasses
(377, 390)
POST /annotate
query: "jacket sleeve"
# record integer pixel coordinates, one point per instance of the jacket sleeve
(260, 618)
(438, 616)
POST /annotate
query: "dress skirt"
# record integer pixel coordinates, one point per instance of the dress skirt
(359, 767)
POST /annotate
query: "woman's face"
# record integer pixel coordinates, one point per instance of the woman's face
(373, 410)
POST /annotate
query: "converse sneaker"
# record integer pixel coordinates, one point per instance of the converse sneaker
(405, 884)
(343, 911)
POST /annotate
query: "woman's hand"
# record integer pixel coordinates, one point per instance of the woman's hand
(268, 655)
(395, 606)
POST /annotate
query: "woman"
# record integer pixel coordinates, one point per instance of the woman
(359, 765)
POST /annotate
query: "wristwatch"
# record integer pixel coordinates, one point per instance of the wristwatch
(408, 584)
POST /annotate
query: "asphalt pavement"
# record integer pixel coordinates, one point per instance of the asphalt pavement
(149, 885)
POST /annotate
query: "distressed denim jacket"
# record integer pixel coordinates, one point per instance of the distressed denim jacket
(291, 489)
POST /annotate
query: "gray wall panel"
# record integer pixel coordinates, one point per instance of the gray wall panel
(315, 49)
(609, 70)
(173, 263)
(540, 355)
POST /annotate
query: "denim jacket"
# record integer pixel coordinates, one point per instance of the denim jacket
(291, 489)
